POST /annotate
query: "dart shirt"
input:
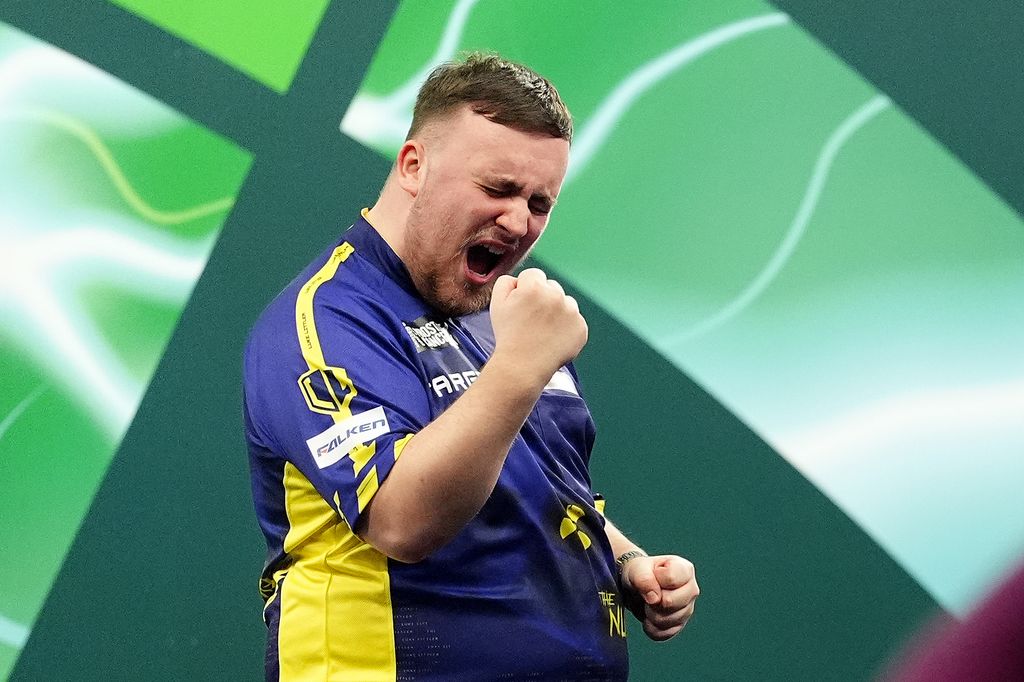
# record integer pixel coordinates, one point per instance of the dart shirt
(342, 369)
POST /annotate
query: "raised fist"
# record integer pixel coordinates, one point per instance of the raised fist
(536, 322)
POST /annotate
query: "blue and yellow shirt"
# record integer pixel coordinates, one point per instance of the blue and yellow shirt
(341, 371)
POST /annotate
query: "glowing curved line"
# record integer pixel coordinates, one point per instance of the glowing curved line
(13, 415)
(406, 93)
(88, 370)
(100, 383)
(625, 94)
(385, 119)
(822, 167)
(12, 633)
(88, 137)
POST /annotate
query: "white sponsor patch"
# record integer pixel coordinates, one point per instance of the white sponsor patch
(562, 381)
(334, 443)
(446, 384)
(430, 335)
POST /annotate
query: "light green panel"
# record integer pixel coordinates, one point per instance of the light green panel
(781, 232)
(263, 39)
(109, 205)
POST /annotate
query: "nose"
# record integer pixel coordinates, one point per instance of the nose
(515, 218)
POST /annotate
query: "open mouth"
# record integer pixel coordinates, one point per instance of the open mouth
(482, 260)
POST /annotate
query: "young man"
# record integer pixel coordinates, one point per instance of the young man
(417, 438)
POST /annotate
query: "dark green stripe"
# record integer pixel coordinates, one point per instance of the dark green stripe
(954, 66)
(172, 70)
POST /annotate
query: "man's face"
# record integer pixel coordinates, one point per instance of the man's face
(482, 202)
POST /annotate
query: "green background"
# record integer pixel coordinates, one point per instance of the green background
(742, 315)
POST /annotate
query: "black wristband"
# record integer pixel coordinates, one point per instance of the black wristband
(624, 558)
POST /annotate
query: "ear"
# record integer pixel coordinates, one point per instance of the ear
(410, 166)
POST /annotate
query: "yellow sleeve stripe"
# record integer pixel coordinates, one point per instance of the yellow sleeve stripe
(360, 455)
(305, 325)
(367, 488)
(400, 445)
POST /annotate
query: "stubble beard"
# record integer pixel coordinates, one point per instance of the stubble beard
(454, 303)
(441, 284)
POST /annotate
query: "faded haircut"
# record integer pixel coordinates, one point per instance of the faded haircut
(505, 92)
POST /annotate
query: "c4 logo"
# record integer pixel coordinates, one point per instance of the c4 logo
(569, 527)
(327, 390)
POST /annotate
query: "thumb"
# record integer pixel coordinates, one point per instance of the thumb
(641, 578)
(503, 286)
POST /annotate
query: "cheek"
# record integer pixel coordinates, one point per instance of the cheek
(536, 229)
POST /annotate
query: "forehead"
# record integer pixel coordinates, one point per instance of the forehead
(484, 148)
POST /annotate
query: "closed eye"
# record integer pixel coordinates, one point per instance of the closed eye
(539, 204)
(495, 192)
(540, 207)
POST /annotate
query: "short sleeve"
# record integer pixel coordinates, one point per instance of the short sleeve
(338, 394)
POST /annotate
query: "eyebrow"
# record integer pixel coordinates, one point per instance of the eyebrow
(512, 187)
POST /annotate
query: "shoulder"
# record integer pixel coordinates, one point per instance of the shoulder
(335, 284)
(335, 306)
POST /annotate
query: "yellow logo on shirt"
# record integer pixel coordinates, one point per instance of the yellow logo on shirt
(568, 527)
(327, 390)
(616, 619)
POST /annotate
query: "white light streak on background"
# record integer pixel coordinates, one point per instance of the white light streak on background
(777, 262)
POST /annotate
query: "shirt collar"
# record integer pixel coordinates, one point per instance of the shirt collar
(368, 244)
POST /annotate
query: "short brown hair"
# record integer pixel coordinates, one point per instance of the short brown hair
(503, 91)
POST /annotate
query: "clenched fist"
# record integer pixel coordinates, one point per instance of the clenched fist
(661, 591)
(536, 323)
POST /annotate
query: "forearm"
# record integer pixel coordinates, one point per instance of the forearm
(619, 542)
(620, 546)
(447, 471)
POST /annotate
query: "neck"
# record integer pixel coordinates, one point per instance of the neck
(389, 215)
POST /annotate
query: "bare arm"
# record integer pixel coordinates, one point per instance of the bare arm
(620, 543)
(448, 470)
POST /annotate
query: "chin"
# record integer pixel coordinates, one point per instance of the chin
(451, 295)
(459, 303)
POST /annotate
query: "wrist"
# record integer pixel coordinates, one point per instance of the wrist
(519, 371)
(625, 558)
